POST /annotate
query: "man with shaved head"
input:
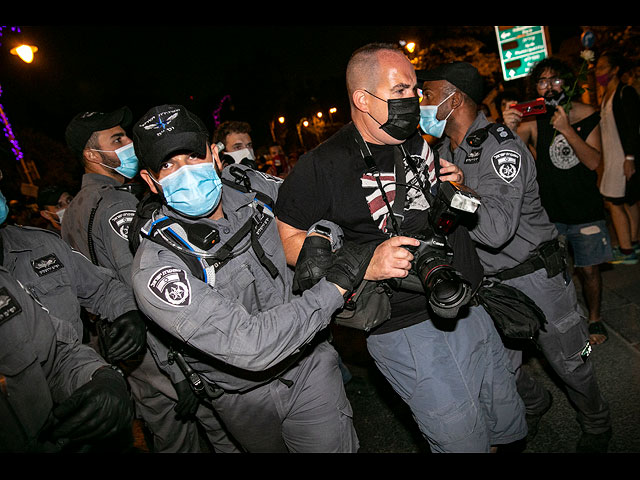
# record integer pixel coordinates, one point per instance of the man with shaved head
(450, 367)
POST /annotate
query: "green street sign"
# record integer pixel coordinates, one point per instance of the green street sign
(520, 49)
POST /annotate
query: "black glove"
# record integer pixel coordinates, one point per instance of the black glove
(128, 335)
(101, 408)
(350, 264)
(188, 401)
(313, 261)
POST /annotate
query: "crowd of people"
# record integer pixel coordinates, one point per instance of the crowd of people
(190, 284)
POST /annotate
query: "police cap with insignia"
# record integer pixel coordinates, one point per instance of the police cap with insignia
(84, 124)
(462, 75)
(165, 130)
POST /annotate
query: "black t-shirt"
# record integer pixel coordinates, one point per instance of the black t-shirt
(568, 189)
(331, 183)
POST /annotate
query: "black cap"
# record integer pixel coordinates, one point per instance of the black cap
(49, 195)
(84, 124)
(167, 129)
(462, 75)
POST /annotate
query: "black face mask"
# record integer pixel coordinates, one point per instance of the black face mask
(403, 116)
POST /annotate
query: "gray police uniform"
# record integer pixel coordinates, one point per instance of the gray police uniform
(109, 209)
(42, 363)
(244, 332)
(517, 244)
(62, 279)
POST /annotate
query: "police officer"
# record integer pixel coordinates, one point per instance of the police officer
(56, 394)
(64, 281)
(96, 223)
(516, 242)
(210, 271)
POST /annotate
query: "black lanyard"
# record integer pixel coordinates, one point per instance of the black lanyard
(396, 213)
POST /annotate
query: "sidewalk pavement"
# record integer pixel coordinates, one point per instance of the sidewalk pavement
(385, 425)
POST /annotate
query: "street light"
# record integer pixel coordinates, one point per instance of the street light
(25, 52)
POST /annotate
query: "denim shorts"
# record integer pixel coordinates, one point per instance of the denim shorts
(589, 242)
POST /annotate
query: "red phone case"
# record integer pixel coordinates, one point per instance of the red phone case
(533, 107)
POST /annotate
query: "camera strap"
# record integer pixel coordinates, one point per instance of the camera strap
(396, 213)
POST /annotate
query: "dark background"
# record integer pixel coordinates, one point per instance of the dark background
(265, 70)
(249, 72)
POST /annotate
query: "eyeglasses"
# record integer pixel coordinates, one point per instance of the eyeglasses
(553, 81)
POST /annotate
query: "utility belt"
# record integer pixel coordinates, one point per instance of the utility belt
(550, 255)
(207, 390)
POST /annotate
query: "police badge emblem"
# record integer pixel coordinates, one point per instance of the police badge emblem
(506, 164)
(120, 222)
(171, 286)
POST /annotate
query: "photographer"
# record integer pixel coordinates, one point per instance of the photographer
(517, 243)
(452, 372)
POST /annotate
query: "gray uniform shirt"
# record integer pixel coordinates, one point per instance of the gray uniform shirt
(62, 279)
(41, 363)
(511, 221)
(115, 209)
(242, 320)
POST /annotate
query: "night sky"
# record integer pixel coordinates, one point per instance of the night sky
(266, 70)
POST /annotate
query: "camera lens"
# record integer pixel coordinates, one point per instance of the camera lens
(448, 289)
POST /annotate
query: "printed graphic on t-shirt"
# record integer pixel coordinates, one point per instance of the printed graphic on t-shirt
(561, 153)
(415, 199)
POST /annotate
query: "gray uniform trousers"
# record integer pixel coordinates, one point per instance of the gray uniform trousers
(293, 415)
(457, 379)
(564, 338)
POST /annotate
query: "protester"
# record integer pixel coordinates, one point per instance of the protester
(568, 146)
(237, 145)
(620, 182)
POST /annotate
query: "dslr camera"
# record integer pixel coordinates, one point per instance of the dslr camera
(431, 270)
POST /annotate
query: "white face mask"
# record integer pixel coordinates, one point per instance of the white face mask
(240, 155)
(60, 213)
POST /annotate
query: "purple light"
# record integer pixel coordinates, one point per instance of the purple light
(8, 132)
(216, 112)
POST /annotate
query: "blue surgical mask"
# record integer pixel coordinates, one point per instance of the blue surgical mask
(193, 190)
(4, 208)
(428, 119)
(128, 161)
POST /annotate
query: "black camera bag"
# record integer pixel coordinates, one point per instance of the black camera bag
(514, 313)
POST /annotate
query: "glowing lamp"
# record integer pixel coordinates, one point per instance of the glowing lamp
(25, 52)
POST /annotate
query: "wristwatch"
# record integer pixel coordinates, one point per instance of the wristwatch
(321, 230)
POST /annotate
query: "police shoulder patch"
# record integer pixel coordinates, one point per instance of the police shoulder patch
(506, 164)
(171, 285)
(120, 222)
